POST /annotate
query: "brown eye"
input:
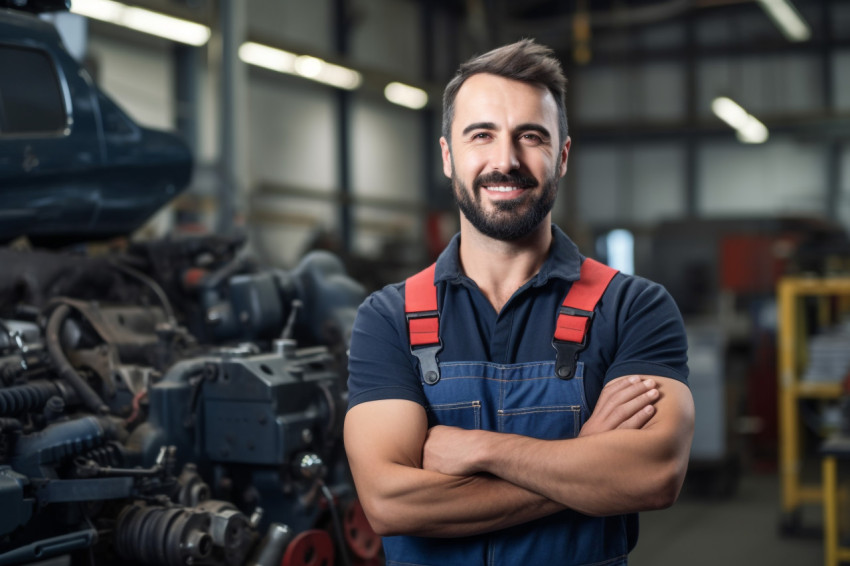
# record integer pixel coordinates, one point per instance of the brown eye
(532, 138)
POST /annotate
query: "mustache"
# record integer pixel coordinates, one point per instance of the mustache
(512, 178)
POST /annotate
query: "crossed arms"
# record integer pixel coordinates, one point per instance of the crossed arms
(631, 455)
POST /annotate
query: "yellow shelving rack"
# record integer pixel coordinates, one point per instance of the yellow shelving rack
(793, 339)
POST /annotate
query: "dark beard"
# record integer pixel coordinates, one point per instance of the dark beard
(510, 222)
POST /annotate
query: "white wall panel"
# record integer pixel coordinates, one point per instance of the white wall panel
(601, 95)
(209, 114)
(598, 182)
(377, 228)
(303, 24)
(723, 29)
(841, 80)
(292, 133)
(386, 35)
(288, 226)
(843, 212)
(659, 93)
(840, 20)
(139, 78)
(628, 185)
(386, 143)
(768, 85)
(779, 177)
(640, 93)
(658, 184)
(661, 36)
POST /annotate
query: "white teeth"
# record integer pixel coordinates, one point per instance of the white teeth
(502, 189)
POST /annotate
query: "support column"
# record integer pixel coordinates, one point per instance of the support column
(341, 25)
(232, 22)
(187, 61)
(834, 147)
(691, 137)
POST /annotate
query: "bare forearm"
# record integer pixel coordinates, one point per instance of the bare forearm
(400, 497)
(424, 503)
(625, 459)
(606, 474)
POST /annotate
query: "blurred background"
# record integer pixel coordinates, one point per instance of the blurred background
(711, 153)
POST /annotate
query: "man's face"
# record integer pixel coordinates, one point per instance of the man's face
(505, 158)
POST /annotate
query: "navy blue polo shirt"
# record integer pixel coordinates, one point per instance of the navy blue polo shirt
(637, 328)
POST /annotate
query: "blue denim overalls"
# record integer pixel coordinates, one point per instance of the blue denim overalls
(528, 399)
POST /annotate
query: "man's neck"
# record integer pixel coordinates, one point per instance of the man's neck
(500, 268)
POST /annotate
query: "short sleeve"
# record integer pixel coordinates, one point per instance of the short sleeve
(380, 365)
(651, 337)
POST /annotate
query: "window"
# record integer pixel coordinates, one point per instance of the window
(30, 97)
(617, 249)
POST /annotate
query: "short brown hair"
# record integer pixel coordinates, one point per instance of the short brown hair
(524, 61)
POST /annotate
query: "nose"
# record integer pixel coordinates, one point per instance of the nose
(505, 158)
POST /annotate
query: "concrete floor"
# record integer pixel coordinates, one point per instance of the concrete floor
(736, 531)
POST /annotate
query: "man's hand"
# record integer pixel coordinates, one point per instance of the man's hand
(451, 450)
(625, 403)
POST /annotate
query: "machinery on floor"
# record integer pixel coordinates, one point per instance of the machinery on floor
(162, 402)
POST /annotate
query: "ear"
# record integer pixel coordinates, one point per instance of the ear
(565, 153)
(447, 157)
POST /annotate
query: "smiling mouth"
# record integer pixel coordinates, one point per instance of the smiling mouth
(495, 182)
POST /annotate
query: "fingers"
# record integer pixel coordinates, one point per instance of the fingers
(641, 417)
(623, 403)
(628, 395)
(633, 406)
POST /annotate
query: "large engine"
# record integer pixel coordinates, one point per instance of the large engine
(174, 404)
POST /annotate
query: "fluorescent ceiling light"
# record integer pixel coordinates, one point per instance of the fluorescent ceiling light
(305, 66)
(787, 19)
(268, 57)
(146, 21)
(406, 95)
(321, 71)
(748, 127)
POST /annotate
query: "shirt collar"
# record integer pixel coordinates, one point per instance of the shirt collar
(563, 262)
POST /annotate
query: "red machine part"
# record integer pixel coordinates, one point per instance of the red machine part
(361, 539)
(309, 548)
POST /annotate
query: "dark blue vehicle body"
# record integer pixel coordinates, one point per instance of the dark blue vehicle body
(73, 166)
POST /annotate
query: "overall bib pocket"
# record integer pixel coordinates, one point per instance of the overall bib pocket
(465, 415)
(546, 423)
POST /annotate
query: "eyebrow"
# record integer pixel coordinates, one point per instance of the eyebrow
(534, 128)
(521, 128)
(479, 126)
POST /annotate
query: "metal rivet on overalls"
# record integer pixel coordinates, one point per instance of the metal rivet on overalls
(431, 377)
(564, 372)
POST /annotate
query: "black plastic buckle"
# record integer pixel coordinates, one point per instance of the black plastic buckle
(567, 352)
(427, 353)
(428, 362)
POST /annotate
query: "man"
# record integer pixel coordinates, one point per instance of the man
(491, 446)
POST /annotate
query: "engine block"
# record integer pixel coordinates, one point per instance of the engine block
(175, 404)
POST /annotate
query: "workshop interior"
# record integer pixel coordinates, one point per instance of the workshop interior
(197, 195)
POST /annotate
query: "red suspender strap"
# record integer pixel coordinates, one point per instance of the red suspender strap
(420, 307)
(423, 322)
(576, 314)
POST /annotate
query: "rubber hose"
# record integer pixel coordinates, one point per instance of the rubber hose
(88, 396)
(30, 397)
